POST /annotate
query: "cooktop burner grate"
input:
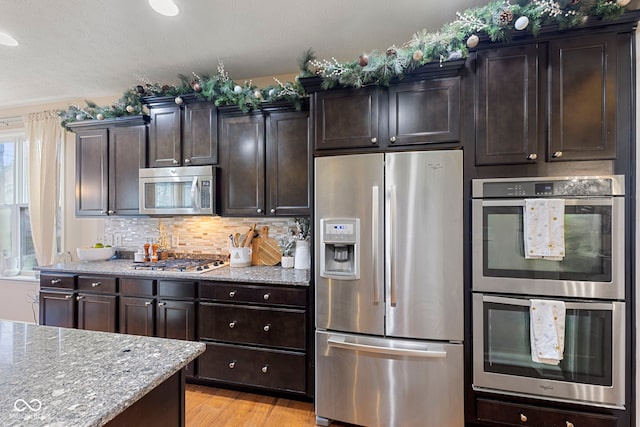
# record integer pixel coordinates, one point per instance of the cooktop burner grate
(193, 265)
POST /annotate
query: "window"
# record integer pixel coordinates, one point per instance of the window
(16, 245)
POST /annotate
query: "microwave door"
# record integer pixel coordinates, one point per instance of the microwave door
(168, 196)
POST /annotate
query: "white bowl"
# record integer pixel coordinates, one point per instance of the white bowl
(95, 254)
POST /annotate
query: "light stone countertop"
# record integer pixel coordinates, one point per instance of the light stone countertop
(72, 377)
(124, 268)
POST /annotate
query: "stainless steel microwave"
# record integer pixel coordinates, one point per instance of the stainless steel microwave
(188, 190)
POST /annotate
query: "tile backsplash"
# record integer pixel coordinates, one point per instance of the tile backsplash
(188, 234)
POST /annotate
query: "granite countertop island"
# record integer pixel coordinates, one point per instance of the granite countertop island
(59, 377)
(124, 267)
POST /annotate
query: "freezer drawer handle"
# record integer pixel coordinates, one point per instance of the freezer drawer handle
(341, 342)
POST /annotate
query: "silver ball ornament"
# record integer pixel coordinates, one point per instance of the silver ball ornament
(178, 100)
(473, 41)
(237, 89)
(521, 23)
(271, 92)
(100, 116)
(130, 109)
(80, 116)
(257, 94)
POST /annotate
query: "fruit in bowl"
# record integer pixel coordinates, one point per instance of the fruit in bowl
(98, 252)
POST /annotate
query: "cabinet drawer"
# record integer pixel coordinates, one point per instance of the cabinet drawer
(97, 284)
(253, 325)
(136, 287)
(518, 415)
(250, 366)
(176, 289)
(57, 280)
(272, 295)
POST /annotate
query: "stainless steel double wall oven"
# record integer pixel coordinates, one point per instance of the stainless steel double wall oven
(590, 279)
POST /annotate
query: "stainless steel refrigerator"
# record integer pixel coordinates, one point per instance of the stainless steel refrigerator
(389, 289)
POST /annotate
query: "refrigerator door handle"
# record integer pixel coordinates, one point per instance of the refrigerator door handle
(375, 218)
(392, 245)
(341, 342)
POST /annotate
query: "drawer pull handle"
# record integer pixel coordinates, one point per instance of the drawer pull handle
(264, 369)
(374, 140)
(78, 298)
(267, 328)
(56, 281)
(266, 296)
(569, 424)
(557, 154)
(162, 304)
(523, 418)
(68, 296)
(532, 156)
(148, 303)
(232, 294)
(232, 364)
(95, 284)
(233, 324)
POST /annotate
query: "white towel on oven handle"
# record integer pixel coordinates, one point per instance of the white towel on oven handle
(543, 221)
(547, 319)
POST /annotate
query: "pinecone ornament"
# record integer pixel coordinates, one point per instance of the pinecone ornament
(505, 17)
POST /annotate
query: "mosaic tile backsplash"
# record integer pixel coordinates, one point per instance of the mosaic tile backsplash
(188, 234)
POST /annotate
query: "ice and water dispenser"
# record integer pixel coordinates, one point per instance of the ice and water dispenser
(340, 248)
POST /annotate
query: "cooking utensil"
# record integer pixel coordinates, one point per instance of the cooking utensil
(250, 235)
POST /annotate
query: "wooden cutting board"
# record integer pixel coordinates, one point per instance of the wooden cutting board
(265, 251)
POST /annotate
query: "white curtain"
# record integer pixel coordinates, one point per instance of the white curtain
(44, 136)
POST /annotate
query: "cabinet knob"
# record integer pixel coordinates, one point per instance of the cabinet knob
(259, 210)
(162, 304)
(532, 156)
(557, 154)
(78, 298)
(232, 364)
(187, 161)
(267, 328)
(110, 212)
(569, 424)
(264, 369)
(95, 284)
(392, 139)
(374, 140)
(148, 303)
(266, 296)
(233, 324)
(175, 162)
(55, 281)
(523, 418)
(232, 294)
(68, 296)
(273, 211)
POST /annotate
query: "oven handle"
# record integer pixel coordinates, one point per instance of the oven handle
(603, 201)
(569, 305)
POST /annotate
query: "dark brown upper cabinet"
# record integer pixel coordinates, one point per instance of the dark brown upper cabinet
(553, 101)
(264, 158)
(420, 112)
(108, 156)
(182, 135)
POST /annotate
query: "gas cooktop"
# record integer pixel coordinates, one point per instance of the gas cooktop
(192, 265)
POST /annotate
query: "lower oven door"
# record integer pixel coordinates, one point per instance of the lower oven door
(591, 371)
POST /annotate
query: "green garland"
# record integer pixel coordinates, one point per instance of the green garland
(498, 20)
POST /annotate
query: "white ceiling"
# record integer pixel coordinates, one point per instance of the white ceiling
(86, 49)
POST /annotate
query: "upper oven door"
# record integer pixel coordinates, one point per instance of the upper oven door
(593, 265)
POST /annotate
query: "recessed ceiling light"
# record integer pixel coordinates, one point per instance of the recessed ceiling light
(7, 40)
(164, 7)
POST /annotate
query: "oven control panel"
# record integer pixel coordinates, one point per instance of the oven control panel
(541, 187)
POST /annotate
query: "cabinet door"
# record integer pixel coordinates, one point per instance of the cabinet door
(97, 312)
(137, 316)
(200, 134)
(348, 118)
(127, 154)
(288, 154)
(424, 112)
(242, 160)
(91, 172)
(507, 105)
(582, 108)
(58, 309)
(176, 319)
(164, 136)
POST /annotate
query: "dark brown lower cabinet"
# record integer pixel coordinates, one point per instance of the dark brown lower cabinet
(97, 312)
(137, 316)
(58, 308)
(176, 320)
(512, 414)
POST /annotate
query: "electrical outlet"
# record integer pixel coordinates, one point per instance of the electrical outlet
(117, 239)
(108, 239)
(175, 241)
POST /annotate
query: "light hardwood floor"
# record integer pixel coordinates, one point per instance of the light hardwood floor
(208, 406)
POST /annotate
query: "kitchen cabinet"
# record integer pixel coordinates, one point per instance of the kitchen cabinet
(549, 102)
(264, 158)
(256, 336)
(405, 114)
(109, 154)
(57, 305)
(137, 307)
(97, 303)
(182, 135)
